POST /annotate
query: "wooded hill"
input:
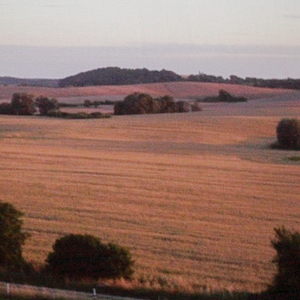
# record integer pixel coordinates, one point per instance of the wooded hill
(117, 76)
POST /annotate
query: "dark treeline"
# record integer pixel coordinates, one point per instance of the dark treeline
(29, 82)
(288, 83)
(118, 76)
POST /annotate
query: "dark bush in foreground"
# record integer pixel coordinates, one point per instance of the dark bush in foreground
(286, 282)
(84, 256)
(144, 104)
(288, 134)
(12, 237)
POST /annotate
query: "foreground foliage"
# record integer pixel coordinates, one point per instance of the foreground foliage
(78, 257)
(12, 238)
(287, 279)
(84, 256)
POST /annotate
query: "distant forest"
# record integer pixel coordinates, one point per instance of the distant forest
(118, 76)
(252, 81)
(28, 82)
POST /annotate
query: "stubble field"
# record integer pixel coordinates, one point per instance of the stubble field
(195, 196)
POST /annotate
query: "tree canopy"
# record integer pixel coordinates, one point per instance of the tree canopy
(12, 237)
(288, 134)
(77, 256)
(287, 259)
(23, 104)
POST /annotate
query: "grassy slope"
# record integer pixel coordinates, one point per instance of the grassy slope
(194, 196)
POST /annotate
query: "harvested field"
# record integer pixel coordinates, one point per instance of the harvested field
(194, 196)
(175, 89)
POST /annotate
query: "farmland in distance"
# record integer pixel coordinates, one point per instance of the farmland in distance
(195, 196)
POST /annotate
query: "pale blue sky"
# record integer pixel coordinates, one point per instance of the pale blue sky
(220, 37)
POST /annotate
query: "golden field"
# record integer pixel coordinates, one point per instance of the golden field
(175, 89)
(194, 196)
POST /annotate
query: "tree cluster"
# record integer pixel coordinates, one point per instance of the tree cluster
(25, 104)
(138, 103)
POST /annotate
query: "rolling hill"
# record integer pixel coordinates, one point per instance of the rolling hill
(179, 90)
(118, 76)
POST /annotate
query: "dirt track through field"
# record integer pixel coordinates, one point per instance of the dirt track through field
(194, 196)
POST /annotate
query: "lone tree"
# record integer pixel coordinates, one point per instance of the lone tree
(23, 104)
(287, 279)
(12, 237)
(84, 256)
(288, 134)
(46, 105)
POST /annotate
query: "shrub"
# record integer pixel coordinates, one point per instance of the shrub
(87, 103)
(182, 106)
(12, 237)
(167, 104)
(224, 96)
(57, 114)
(6, 109)
(84, 256)
(288, 134)
(23, 104)
(46, 105)
(195, 106)
(294, 158)
(287, 279)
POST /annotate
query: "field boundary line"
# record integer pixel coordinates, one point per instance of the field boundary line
(15, 289)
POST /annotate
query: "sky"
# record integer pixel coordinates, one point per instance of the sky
(58, 38)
